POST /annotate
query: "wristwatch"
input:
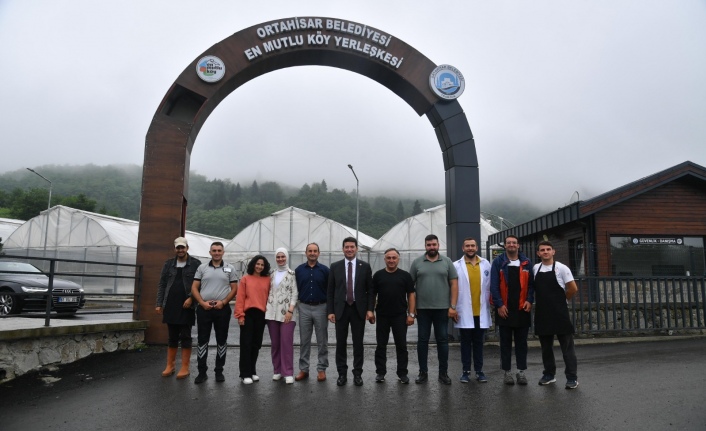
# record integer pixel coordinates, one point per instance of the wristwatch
(412, 315)
(453, 307)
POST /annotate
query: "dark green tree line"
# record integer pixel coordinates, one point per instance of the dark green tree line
(215, 206)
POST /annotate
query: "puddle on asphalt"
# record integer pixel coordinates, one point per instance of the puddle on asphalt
(48, 380)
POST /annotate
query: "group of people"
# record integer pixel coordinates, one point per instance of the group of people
(515, 284)
(434, 292)
(193, 291)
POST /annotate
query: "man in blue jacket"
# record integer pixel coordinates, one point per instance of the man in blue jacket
(512, 295)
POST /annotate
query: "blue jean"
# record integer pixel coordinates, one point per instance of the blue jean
(440, 319)
(472, 340)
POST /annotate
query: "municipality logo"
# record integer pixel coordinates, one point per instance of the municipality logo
(210, 68)
(447, 82)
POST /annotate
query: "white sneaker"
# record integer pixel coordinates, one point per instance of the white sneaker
(289, 380)
(277, 377)
(255, 378)
(247, 381)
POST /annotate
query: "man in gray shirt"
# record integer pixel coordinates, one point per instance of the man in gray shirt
(436, 284)
(215, 285)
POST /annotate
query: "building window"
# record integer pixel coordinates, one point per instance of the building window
(643, 256)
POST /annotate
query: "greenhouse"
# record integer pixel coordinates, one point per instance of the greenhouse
(7, 226)
(66, 233)
(408, 235)
(294, 228)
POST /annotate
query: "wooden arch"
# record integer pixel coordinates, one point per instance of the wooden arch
(263, 48)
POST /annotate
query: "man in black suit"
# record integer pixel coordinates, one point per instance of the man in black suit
(350, 301)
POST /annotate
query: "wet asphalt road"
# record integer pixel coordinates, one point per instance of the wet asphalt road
(641, 386)
(98, 312)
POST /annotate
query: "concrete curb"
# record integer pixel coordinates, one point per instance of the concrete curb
(30, 330)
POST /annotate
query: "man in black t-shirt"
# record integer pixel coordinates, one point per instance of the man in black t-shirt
(394, 289)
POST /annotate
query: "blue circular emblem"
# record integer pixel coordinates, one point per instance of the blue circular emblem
(447, 82)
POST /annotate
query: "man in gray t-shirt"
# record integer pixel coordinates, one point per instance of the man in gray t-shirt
(436, 284)
(215, 285)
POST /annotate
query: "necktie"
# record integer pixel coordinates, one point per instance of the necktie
(349, 290)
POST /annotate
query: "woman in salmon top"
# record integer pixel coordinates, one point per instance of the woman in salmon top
(250, 306)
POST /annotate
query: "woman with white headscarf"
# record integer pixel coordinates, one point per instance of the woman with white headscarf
(281, 317)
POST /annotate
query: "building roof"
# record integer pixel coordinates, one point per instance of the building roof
(687, 171)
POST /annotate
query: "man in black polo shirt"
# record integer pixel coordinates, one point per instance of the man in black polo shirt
(394, 289)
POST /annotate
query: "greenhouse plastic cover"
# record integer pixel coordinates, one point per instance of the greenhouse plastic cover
(69, 227)
(293, 228)
(7, 226)
(67, 233)
(408, 235)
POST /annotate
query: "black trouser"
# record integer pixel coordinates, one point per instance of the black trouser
(398, 324)
(179, 333)
(506, 335)
(350, 317)
(566, 341)
(251, 341)
(219, 321)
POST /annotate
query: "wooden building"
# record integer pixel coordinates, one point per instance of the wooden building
(655, 226)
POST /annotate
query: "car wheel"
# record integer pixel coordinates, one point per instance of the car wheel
(9, 304)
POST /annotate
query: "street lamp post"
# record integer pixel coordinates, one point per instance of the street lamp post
(44, 178)
(357, 202)
(46, 225)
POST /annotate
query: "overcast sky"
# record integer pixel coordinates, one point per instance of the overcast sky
(561, 96)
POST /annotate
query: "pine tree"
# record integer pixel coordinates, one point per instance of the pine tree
(417, 208)
(400, 211)
(255, 193)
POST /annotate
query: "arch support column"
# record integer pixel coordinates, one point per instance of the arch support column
(461, 168)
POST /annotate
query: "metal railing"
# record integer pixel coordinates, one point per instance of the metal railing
(52, 273)
(638, 304)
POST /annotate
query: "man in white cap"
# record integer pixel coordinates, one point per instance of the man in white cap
(175, 304)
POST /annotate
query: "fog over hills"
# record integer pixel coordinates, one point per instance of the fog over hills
(223, 207)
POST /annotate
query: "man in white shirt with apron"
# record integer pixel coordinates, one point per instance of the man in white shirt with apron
(553, 286)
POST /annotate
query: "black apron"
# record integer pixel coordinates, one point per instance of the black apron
(516, 318)
(551, 315)
(174, 313)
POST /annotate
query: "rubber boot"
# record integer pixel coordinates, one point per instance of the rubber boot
(171, 362)
(185, 360)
